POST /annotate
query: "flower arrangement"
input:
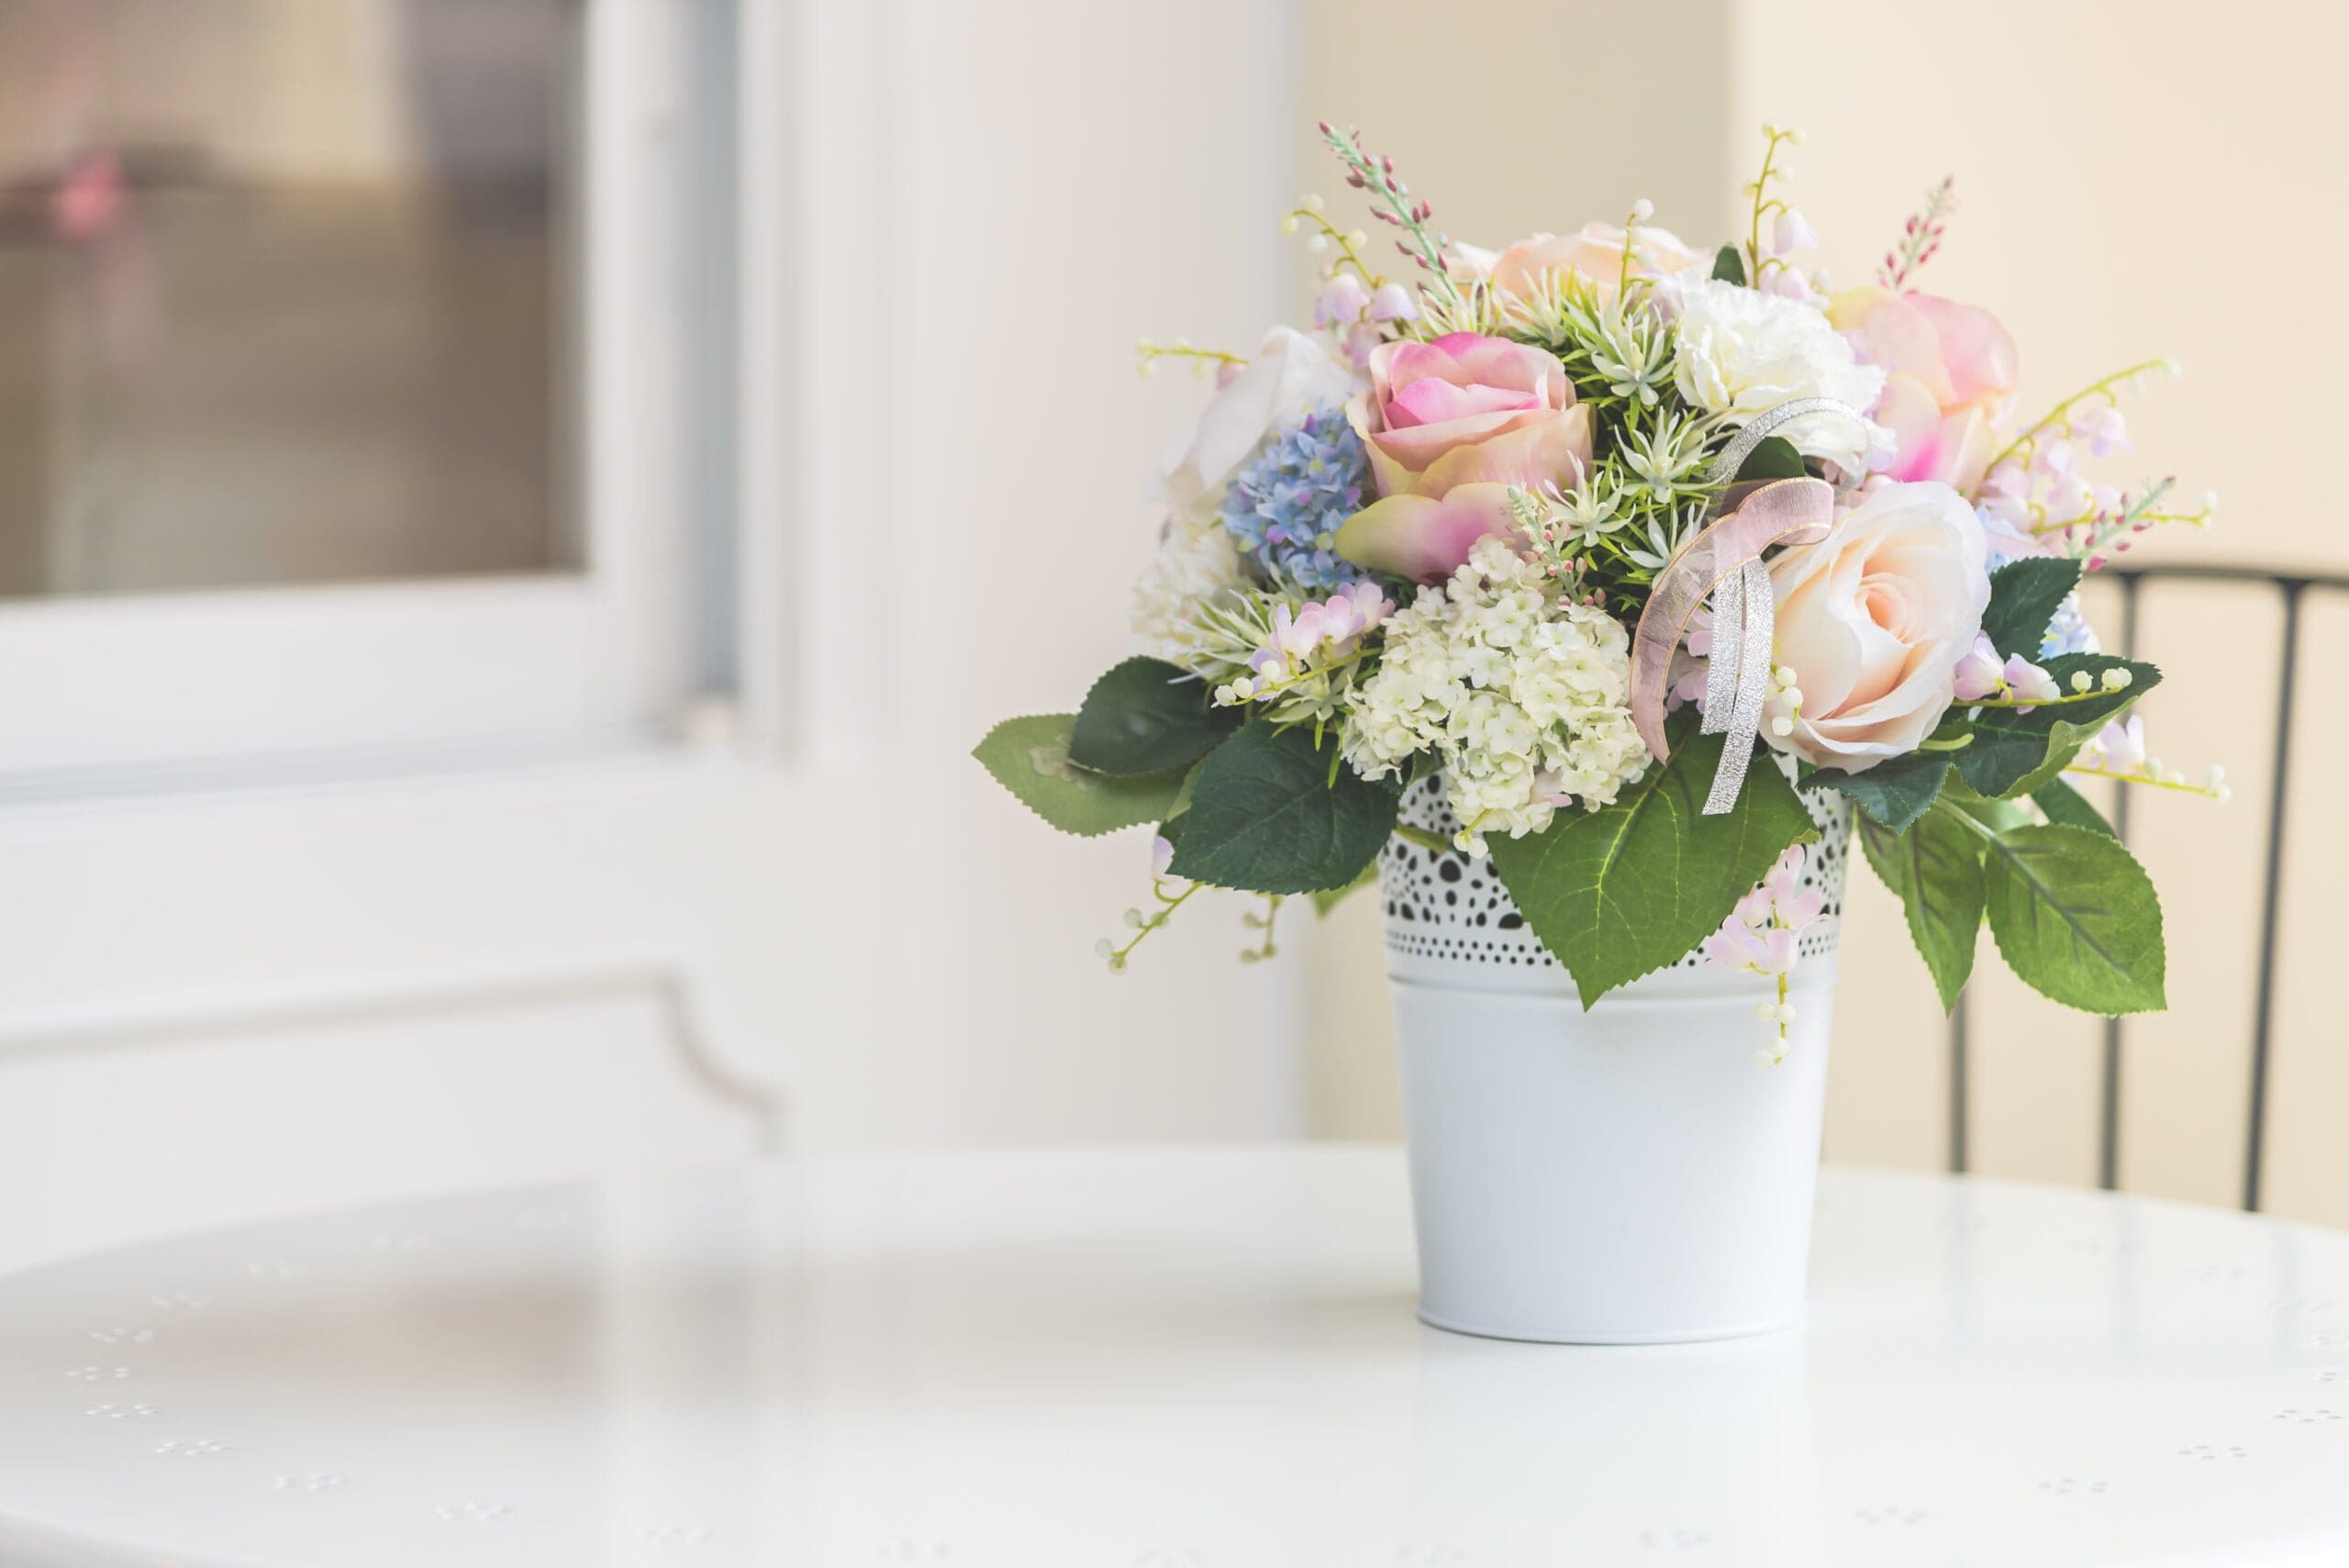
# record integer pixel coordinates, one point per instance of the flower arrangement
(1582, 526)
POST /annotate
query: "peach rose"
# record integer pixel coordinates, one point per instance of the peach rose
(1450, 426)
(1597, 253)
(1874, 621)
(1950, 372)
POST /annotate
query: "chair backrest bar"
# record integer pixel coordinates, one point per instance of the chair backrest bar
(2292, 587)
(2263, 1015)
(2107, 1141)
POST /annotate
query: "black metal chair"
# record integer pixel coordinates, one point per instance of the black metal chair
(2293, 587)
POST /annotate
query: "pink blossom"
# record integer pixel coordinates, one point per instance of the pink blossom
(2118, 747)
(2028, 684)
(1763, 932)
(1791, 232)
(2103, 428)
(1393, 302)
(1980, 672)
(1325, 628)
(1341, 301)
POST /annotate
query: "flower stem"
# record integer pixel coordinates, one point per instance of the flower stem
(2060, 415)
(1763, 203)
(1149, 353)
(2057, 701)
(2178, 785)
(1167, 903)
(1377, 177)
(1347, 254)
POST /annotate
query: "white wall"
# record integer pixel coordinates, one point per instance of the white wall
(2136, 181)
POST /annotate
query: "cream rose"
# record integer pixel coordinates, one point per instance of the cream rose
(1291, 375)
(1874, 621)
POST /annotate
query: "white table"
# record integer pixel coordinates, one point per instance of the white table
(1155, 1360)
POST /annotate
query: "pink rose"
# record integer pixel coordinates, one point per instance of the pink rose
(1874, 620)
(1596, 253)
(1950, 373)
(1450, 426)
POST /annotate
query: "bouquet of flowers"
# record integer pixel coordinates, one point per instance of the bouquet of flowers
(1582, 526)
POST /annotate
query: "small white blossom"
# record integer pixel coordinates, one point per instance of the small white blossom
(1196, 564)
(1524, 702)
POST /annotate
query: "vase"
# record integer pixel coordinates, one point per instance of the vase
(1635, 1173)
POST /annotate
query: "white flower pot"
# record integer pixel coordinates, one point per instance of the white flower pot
(1626, 1175)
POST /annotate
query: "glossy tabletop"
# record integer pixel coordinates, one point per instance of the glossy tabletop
(1155, 1360)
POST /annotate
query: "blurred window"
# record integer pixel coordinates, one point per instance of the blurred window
(283, 287)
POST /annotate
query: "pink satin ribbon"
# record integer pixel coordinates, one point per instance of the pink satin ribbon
(1784, 511)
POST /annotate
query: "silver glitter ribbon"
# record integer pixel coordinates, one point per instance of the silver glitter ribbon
(1725, 557)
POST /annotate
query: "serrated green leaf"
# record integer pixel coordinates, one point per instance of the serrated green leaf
(2024, 597)
(1774, 458)
(1728, 266)
(2075, 917)
(2069, 808)
(1894, 792)
(1146, 715)
(2009, 747)
(1267, 816)
(1935, 869)
(1030, 758)
(1617, 893)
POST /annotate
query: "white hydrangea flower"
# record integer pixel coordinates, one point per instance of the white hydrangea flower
(1741, 353)
(1196, 564)
(1524, 703)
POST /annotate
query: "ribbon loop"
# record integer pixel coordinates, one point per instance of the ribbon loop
(1724, 562)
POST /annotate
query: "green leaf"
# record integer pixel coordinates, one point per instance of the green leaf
(2024, 597)
(1935, 869)
(1621, 891)
(1030, 758)
(1267, 816)
(1327, 899)
(2068, 806)
(1996, 814)
(2075, 917)
(2009, 747)
(1774, 458)
(1728, 266)
(1894, 792)
(1144, 716)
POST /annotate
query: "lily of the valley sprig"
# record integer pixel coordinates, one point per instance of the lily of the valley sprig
(1409, 538)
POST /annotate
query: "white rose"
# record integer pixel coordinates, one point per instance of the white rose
(1874, 620)
(1291, 375)
(1741, 353)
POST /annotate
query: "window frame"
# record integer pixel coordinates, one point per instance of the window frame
(115, 688)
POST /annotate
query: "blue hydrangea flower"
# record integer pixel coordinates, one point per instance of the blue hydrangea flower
(1285, 505)
(2069, 632)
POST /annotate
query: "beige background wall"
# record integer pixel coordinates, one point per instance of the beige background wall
(2135, 182)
